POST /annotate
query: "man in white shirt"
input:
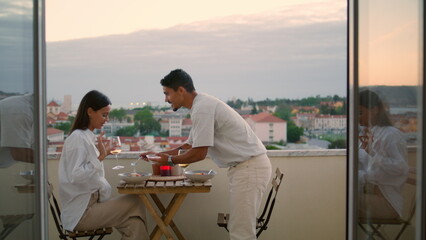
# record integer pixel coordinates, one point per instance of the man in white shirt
(16, 130)
(220, 132)
(16, 152)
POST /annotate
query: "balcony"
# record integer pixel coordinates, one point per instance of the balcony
(311, 203)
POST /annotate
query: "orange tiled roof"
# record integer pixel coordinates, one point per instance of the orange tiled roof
(266, 117)
(51, 131)
(53, 104)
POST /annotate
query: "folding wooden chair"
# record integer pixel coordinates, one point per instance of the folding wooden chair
(263, 220)
(64, 234)
(373, 227)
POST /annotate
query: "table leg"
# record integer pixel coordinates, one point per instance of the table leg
(156, 217)
(169, 213)
(163, 209)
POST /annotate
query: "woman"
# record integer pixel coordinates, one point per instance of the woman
(84, 192)
(383, 167)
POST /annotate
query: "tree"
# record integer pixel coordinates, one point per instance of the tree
(235, 104)
(71, 119)
(117, 114)
(337, 144)
(128, 131)
(64, 126)
(293, 132)
(325, 109)
(283, 111)
(254, 109)
(145, 122)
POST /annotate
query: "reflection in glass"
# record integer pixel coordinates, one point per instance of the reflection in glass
(388, 108)
(383, 167)
(17, 202)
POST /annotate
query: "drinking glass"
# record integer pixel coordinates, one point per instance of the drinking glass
(183, 165)
(115, 150)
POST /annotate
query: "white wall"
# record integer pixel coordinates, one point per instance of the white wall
(310, 204)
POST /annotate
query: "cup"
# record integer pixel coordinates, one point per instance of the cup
(165, 170)
(177, 170)
(156, 169)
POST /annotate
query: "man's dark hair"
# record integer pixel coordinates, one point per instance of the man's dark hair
(178, 78)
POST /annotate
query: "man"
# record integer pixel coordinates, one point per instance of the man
(220, 132)
(16, 152)
(16, 130)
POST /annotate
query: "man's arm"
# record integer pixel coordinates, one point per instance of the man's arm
(22, 154)
(190, 156)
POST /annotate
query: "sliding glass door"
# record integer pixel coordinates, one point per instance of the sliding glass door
(22, 175)
(386, 92)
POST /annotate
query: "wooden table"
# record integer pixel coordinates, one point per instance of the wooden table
(180, 189)
(25, 188)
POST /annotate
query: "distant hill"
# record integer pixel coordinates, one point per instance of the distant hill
(396, 95)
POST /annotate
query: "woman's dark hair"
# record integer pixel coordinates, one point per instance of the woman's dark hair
(369, 100)
(93, 99)
(178, 78)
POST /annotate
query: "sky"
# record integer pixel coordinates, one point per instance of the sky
(76, 19)
(232, 49)
(390, 42)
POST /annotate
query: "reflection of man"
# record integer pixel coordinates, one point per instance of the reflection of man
(383, 167)
(220, 132)
(16, 130)
(16, 152)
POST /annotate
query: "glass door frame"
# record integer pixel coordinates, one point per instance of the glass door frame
(352, 154)
(40, 142)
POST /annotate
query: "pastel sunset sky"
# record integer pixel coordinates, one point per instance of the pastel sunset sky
(270, 48)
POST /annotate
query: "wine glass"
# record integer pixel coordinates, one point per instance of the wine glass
(115, 150)
(183, 165)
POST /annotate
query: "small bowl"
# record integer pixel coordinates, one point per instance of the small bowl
(29, 175)
(199, 175)
(134, 177)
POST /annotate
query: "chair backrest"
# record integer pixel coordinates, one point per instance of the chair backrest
(410, 196)
(270, 201)
(56, 213)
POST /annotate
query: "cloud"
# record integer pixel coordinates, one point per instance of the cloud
(16, 47)
(258, 56)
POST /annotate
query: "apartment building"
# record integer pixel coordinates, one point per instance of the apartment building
(267, 127)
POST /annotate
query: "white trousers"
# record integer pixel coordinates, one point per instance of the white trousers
(125, 212)
(247, 185)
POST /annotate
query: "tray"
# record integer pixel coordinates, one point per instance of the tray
(166, 178)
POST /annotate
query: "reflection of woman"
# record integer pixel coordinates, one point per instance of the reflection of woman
(84, 191)
(383, 168)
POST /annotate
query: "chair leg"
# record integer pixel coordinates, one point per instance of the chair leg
(401, 231)
(369, 233)
(376, 231)
(6, 232)
(10, 222)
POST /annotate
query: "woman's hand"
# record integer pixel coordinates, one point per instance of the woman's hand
(104, 149)
(143, 155)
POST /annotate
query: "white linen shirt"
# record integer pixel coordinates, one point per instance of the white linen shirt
(386, 165)
(80, 174)
(16, 126)
(217, 126)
